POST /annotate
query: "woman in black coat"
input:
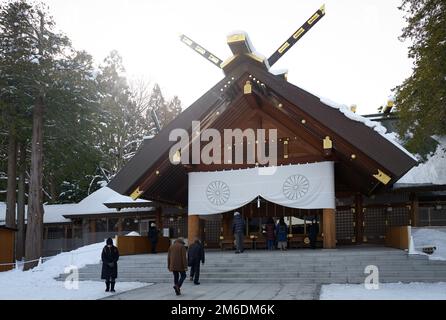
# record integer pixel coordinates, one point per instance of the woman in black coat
(110, 257)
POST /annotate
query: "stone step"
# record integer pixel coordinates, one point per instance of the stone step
(319, 280)
(300, 267)
(279, 274)
(284, 265)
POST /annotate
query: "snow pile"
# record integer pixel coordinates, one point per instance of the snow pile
(39, 283)
(386, 291)
(375, 125)
(431, 171)
(133, 234)
(427, 237)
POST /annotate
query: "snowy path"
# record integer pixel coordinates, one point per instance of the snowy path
(40, 284)
(223, 291)
(386, 291)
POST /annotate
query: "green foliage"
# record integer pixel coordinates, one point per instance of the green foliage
(94, 121)
(421, 99)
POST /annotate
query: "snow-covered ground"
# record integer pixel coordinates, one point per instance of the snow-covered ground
(422, 237)
(426, 237)
(386, 291)
(39, 283)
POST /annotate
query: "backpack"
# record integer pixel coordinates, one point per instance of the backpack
(282, 228)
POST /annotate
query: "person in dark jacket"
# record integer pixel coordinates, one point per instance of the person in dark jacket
(270, 233)
(195, 256)
(282, 233)
(238, 229)
(110, 257)
(313, 231)
(153, 236)
(177, 263)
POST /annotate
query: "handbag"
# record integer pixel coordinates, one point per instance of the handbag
(111, 264)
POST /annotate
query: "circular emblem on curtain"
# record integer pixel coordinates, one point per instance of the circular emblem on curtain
(295, 186)
(217, 193)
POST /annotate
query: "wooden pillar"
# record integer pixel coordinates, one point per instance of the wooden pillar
(65, 241)
(414, 211)
(329, 228)
(85, 231)
(159, 218)
(359, 219)
(92, 231)
(193, 227)
(119, 226)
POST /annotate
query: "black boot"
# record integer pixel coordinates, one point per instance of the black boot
(112, 286)
(107, 286)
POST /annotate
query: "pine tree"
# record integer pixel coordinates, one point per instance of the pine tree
(421, 99)
(173, 109)
(165, 111)
(122, 126)
(44, 76)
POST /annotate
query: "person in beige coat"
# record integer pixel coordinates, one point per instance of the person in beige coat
(177, 263)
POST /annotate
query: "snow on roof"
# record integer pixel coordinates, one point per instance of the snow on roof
(53, 212)
(375, 125)
(93, 204)
(277, 72)
(432, 171)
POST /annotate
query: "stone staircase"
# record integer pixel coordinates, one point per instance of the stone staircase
(305, 266)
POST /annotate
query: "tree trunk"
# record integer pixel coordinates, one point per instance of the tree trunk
(12, 179)
(20, 243)
(34, 230)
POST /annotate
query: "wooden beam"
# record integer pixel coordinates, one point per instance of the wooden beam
(359, 219)
(414, 210)
(329, 228)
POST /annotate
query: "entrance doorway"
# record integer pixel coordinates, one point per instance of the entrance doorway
(256, 215)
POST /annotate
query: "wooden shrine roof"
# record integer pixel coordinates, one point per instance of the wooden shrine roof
(151, 171)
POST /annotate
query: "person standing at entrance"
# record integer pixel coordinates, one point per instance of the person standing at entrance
(270, 233)
(238, 229)
(313, 232)
(195, 256)
(153, 236)
(177, 264)
(281, 231)
(110, 257)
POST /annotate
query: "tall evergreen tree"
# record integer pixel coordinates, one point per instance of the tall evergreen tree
(41, 66)
(421, 99)
(122, 125)
(165, 111)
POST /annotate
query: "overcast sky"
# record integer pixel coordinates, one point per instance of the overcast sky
(352, 56)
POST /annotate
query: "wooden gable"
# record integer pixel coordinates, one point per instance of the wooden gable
(251, 97)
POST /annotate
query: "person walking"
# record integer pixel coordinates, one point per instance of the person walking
(313, 232)
(177, 263)
(238, 229)
(270, 233)
(153, 236)
(281, 231)
(195, 256)
(110, 257)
